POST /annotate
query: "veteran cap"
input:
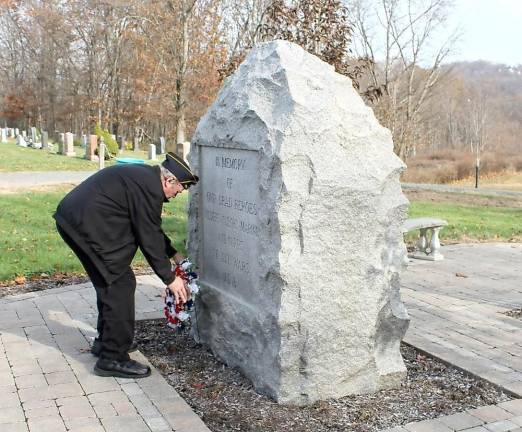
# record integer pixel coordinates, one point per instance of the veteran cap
(177, 166)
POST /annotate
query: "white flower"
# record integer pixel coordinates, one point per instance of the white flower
(182, 316)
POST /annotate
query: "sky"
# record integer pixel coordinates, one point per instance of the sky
(491, 30)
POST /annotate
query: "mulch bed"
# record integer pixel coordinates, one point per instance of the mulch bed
(226, 400)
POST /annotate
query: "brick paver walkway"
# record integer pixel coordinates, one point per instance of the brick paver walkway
(456, 308)
(46, 378)
(47, 384)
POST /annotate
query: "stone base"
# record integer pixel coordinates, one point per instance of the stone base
(70, 154)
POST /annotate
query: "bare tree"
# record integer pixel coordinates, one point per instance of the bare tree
(396, 35)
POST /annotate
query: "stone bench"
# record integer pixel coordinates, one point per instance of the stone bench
(428, 246)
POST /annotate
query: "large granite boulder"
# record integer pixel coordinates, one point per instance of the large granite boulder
(296, 228)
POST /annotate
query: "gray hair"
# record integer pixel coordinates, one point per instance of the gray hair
(166, 173)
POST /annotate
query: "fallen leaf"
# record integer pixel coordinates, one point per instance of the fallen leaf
(20, 280)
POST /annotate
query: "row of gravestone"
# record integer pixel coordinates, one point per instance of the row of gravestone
(90, 143)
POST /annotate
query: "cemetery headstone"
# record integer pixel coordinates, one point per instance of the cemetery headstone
(121, 143)
(83, 141)
(34, 137)
(24, 134)
(183, 149)
(152, 152)
(162, 145)
(61, 143)
(90, 151)
(16, 132)
(3, 131)
(101, 155)
(21, 141)
(296, 226)
(45, 140)
(69, 144)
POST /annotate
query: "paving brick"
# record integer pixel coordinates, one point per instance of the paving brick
(9, 400)
(27, 367)
(56, 363)
(127, 424)
(14, 427)
(94, 384)
(66, 390)
(42, 412)
(31, 381)
(501, 426)
(427, 426)
(157, 424)
(189, 422)
(60, 377)
(84, 425)
(490, 413)
(395, 429)
(513, 406)
(46, 424)
(517, 420)
(12, 414)
(460, 421)
(69, 412)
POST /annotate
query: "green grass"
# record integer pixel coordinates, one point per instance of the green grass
(30, 245)
(468, 222)
(15, 158)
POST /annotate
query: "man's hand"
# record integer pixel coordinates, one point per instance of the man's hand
(180, 291)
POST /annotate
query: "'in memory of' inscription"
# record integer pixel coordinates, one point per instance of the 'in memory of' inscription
(229, 205)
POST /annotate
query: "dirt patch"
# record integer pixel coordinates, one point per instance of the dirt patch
(226, 401)
(465, 199)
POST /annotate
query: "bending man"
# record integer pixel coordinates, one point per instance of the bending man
(104, 220)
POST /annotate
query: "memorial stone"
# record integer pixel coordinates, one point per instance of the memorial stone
(183, 149)
(61, 143)
(152, 152)
(90, 151)
(4, 135)
(24, 134)
(296, 227)
(45, 140)
(101, 155)
(34, 136)
(83, 141)
(162, 145)
(21, 141)
(69, 144)
(16, 132)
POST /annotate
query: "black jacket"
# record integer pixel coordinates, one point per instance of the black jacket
(114, 212)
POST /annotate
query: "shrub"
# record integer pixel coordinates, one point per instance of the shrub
(110, 143)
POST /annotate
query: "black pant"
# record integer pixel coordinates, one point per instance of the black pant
(115, 302)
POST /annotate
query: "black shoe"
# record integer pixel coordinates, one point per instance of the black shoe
(121, 369)
(96, 347)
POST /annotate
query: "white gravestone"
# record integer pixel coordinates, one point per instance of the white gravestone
(83, 142)
(152, 152)
(101, 155)
(68, 148)
(21, 141)
(34, 136)
(162, 145)
(16, 132)
(183, 149)
(296, 228)
(45, 140)
(4, 135)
